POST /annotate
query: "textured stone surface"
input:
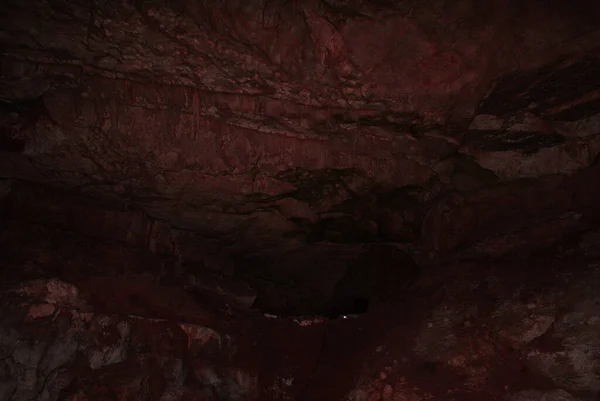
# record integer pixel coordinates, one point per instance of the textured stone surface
(494, 337)
(92, 308)
(240, 181)
(72, 352)
(276, 124)
(535, 395)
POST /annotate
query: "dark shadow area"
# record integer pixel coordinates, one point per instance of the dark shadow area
(11, 145)
(354, 306)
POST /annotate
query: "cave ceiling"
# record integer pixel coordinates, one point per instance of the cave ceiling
(273, 125)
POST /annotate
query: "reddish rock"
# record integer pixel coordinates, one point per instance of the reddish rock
(319, 200)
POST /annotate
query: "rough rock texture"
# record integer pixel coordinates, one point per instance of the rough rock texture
(271, 125)
(91, 312)
(58, 347)
(496, 337)
(299, 200)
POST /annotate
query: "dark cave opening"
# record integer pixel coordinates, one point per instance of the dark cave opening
(355, 306)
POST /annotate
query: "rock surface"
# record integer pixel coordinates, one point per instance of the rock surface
(299, 200)
(274, 125)
(88, 313)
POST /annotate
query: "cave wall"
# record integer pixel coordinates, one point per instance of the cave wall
(193, 193)
(280, 123)
(89, 312)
